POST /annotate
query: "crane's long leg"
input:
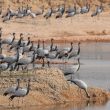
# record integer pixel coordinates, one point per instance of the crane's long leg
(43, 64)
(81, 94)
(87, 93)
(71, 19)
(8, 102)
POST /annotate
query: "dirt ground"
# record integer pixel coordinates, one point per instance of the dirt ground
(78, 28)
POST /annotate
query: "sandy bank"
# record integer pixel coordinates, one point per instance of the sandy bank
(49, 86)
(79, 28)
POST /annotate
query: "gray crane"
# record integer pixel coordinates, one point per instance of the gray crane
(17, 43)
(32, 14)
(7, 17)
(65, 50)
(21, 92)
(70, 70)
(62, 54)
(71, 13)
(48, 14)
(85, 9)
(26, 61)
(27, 48)
(12, 12)
(35, 46)
(42, 52)
(52, 47)
(69, 9)
(12, 59)
(99, 10)
(0, 32)
(2, 56)
(72, 54)
(60, 11)
(19, 14)
(12, 90)
(81, 84)
(4, 66)
(9, 40)
(52, 55)
(26, 42)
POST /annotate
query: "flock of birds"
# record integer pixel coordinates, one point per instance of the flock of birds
(28, 52)
(59, 11)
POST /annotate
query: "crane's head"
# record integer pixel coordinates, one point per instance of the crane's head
(21, 34)
(71, 43)
(17, 79)
(29, 80)
(38, 41)
(0, 28)
(14, 34)
(52, 39)
(79, 43)
(28, 38)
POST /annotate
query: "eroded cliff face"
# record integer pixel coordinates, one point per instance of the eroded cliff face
(49, 87)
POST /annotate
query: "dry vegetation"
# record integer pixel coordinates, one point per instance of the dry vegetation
(49, 86)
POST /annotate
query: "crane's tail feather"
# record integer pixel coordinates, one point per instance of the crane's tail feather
(66, 74)
(5, 94)
(12, 97)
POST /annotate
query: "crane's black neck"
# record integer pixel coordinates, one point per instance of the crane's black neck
(43, 45)
(51, 46)
(78, 64)
(19, 42)
(33, 57)
(78, 49)
(29, 41)
(31, 46)
(17, 86)
(38, 46)
(17, 57)
(56, 54)
(13, 38)
(28, 87)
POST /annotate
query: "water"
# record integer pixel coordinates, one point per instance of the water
(95, 71)
(95, 68)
